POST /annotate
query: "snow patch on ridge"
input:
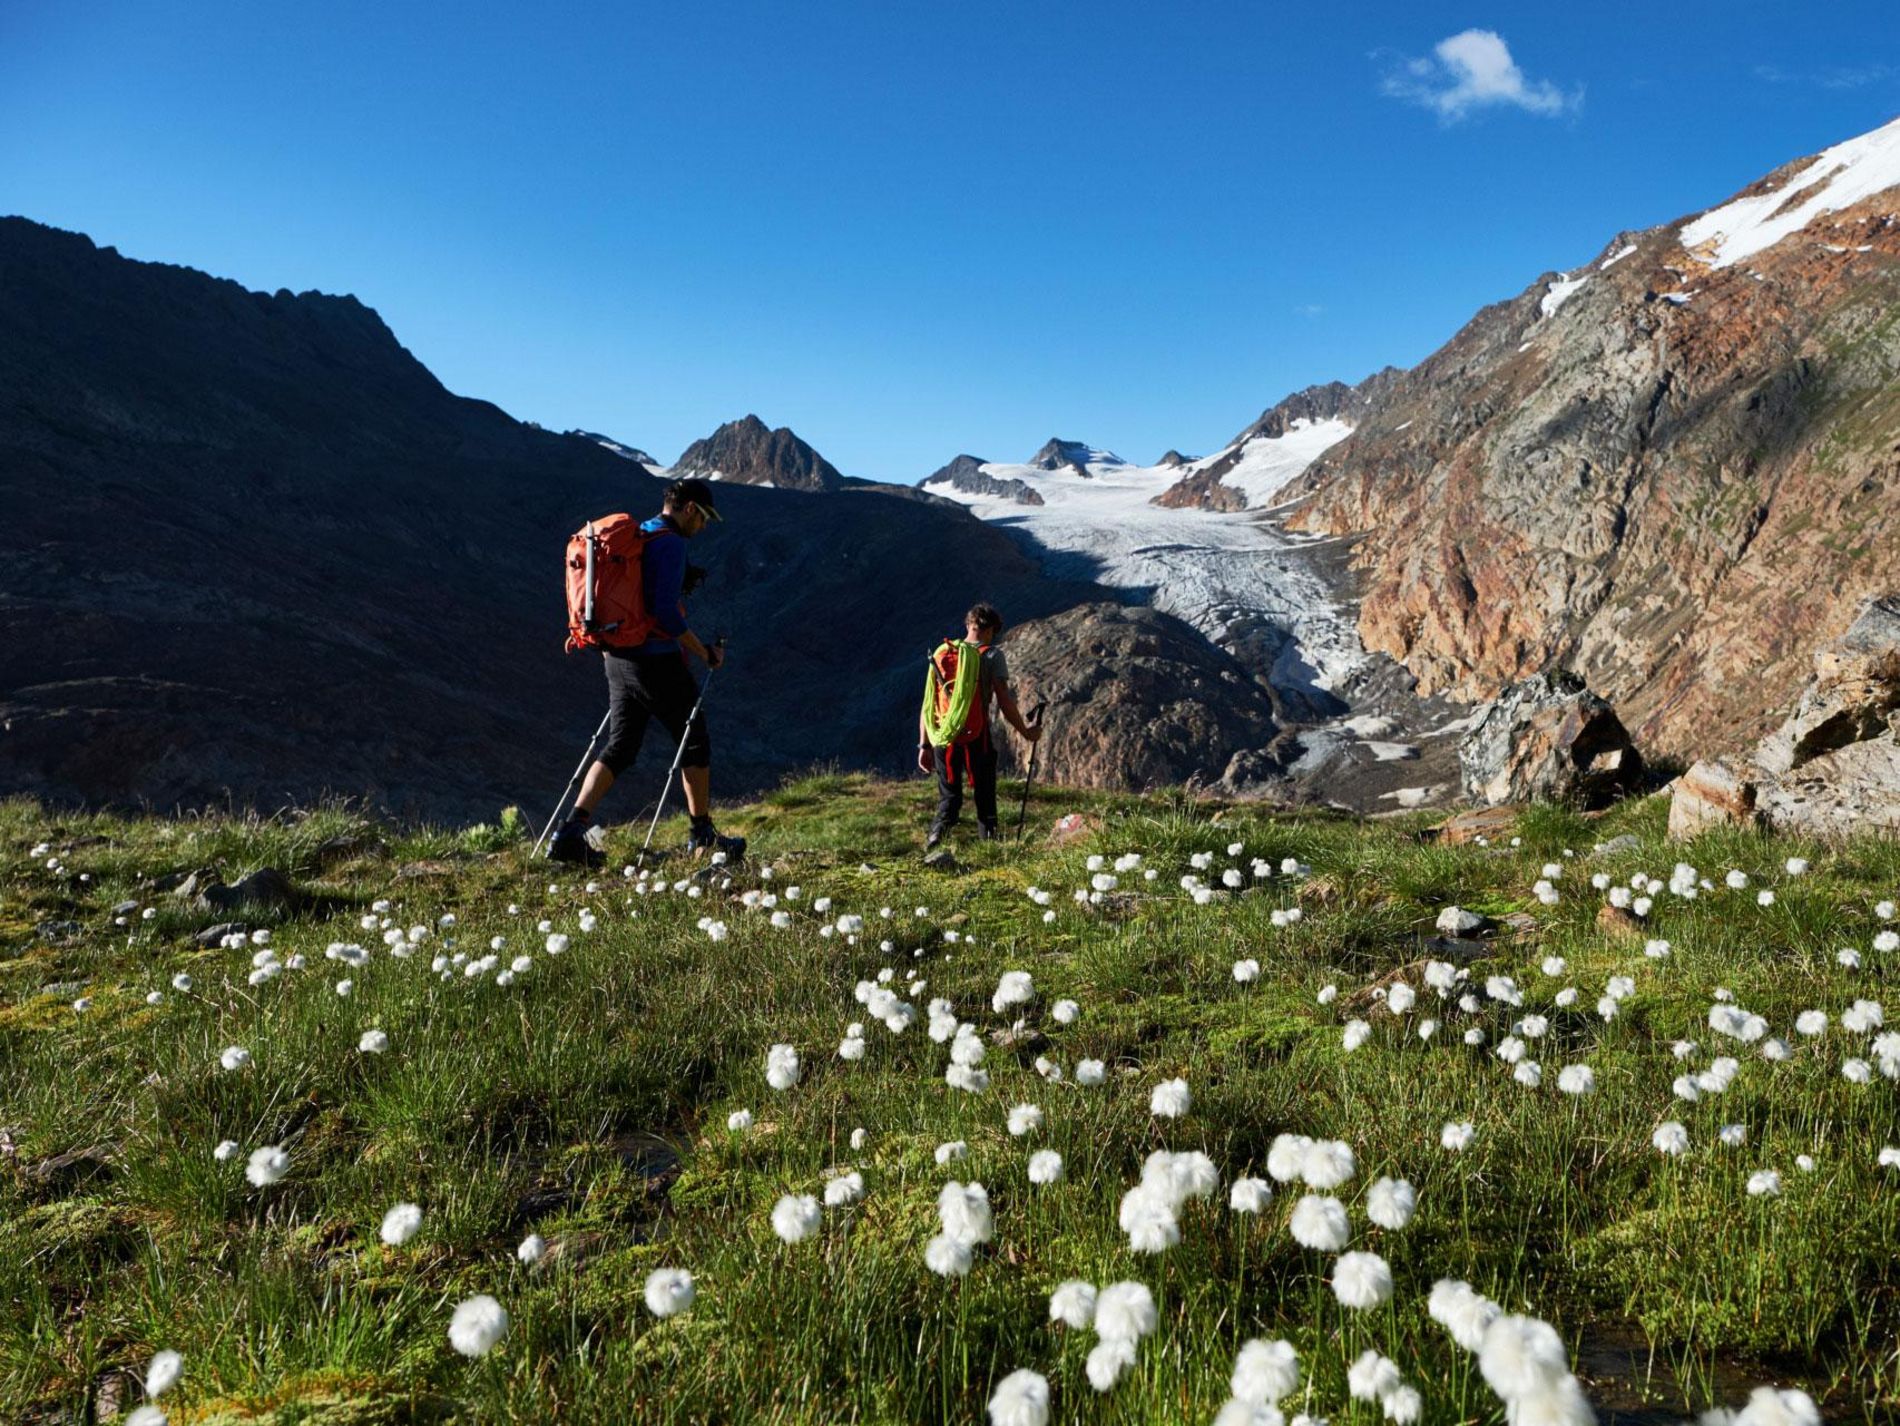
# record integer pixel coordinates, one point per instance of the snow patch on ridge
(1269, 464)
(1559, 293)
(1838, 178)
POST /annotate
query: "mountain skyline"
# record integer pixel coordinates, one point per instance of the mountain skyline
(905, 235)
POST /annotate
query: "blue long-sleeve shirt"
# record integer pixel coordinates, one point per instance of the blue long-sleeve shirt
(662, 577)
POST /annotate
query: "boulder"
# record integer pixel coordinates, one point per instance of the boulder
(1490, 823)
(1456, 921)
(1549, 739)
(1833, 768)
(1711, 794)
(264, 889)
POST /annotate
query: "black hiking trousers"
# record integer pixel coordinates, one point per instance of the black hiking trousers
(977, 762)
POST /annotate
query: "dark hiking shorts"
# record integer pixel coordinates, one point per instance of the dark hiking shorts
(641, 687)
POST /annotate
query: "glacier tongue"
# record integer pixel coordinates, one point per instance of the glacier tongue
(1243, 582)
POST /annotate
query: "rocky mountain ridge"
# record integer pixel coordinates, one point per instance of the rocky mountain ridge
(748, 452)
(1672, 473)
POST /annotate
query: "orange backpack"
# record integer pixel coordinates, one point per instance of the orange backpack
(944, 660)
(606, 605)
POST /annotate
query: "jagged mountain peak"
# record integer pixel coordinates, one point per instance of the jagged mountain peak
(748, 452)
(1056, 453)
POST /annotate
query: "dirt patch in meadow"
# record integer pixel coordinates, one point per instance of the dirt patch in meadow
(1631, 1384)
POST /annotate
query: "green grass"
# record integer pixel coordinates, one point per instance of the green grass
(587, 1102)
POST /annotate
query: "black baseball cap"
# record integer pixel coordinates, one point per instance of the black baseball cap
(693, 491)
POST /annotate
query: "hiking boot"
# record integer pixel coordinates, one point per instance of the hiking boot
(988, 833)
(934, 839)
(570, 844)
(705, 838)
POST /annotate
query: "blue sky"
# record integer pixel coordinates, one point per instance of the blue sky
(906, 230)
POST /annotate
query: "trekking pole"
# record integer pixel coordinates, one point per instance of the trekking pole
(680, 752)
(587, 758)
(1035, 719)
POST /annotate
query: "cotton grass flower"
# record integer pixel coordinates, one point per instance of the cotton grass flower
(1764, 1183)
(162, 1372)
(1170, 1099)
(949, 1153)
(1073, 1304)
(795, 1217)
(1372, 1376)
(1249, 1195)
(373, 1042)
(1327, 1163)
(1462, 1311)
(1015, 988)
(226, 1150)
(669, 1292)
(781, 1067)
(1457, 1136)
(147, 1415)
(844, 1190)
(1391, 1202)
(1045, 1167)
(739, 1121)
(1020, 1399)
(533, 1248)
(1265, 1372)
(964, 1210)
(1319, 1223)
(1356, 1033)
(478, 1324)
(266, 1166)
(1125, 1311)
(1362, 1280)
(1576, 1079)
(401, 1224)
(1108, 1360)
(234, 1057)
(1246, 970)
(1524, 1362)
(1024, 1119)
(1670, 1138)
(1089, 1073)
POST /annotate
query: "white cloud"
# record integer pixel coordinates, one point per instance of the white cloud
(1474, 70)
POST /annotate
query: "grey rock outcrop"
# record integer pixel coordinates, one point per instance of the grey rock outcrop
(1548, 738)
(966, 473)
(1833, 768)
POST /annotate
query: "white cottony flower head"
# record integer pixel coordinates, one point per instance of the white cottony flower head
(1124, 1311)
(964, 1210)
(1320, 1224)
(162, 1372)
(1327, 1163)
(844, 1190)
(669, 1291)
(1355, 1034)
(1576, 1079)
(1528, 1073)
(478, 1324)
(1265, 1372)
(1020, 1399)
(948, 1257)
(781, 1067)
(1014, 988)
(1462, 1311)
(1073, 1304)
(1372, 1377)
(1391, 1202)
(373, 1042)
(1671, 1138)
(795, 1217)
(1089, 1073)
(1768, 1406)
(266, 1166)
(226, 1150)
(533, 1248)
(1170, 1098)
(1250, 1195)
(949, 1153)
(1246, 970)
(739, 1121)
(1362, 1280)
(1764, 1183)
(1457, 1136)
(1024, 1119)
(234, 1057)
(1400, 998)
(1045, 1166)
(1107, 1360)
(1064, 1012)
(1286, 1156)
(401, 1224)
